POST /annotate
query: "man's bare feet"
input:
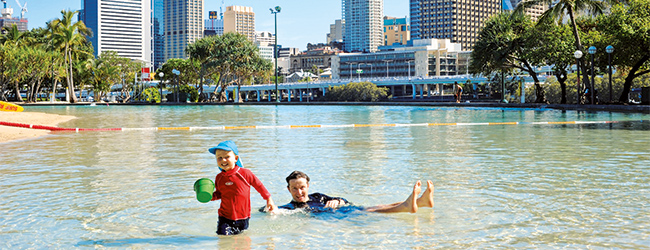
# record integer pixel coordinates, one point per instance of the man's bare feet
(411, 201)
(426, 200)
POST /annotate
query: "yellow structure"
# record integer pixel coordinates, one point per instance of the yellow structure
(396, 31)
(240, 19)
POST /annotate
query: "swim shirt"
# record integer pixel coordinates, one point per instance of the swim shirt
(316, 203)
(233, 187)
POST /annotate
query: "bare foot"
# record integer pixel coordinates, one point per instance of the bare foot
(411, 201)
(426, 200)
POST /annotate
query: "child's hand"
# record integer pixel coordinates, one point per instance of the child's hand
(270, 206)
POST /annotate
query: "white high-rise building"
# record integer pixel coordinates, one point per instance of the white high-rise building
(123, 26)
(363, 25)
(183, 26)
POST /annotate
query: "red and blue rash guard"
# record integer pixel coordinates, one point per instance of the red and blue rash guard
(233, 187)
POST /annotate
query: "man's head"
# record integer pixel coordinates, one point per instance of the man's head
(298, 186)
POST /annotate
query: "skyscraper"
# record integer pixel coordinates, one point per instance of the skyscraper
(457, 20)
(534, 12)
(158, 33)
(123, 26)
(336, 31)
(396, 31)
(363, 25)
(183, 26)
(240, 19)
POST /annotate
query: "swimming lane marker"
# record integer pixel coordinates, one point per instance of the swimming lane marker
(51, 128)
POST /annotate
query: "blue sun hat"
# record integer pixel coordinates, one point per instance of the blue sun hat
(227, 146)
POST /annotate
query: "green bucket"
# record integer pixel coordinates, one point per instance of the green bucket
(204, 188)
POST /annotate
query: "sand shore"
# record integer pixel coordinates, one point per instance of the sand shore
(8, 133)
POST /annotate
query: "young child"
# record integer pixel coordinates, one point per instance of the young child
(233, 187)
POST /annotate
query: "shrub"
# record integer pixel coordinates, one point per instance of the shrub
(193, 92)
(152, 95)
(356, 92)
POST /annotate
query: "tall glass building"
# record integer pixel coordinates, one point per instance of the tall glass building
(158, 33)
(183, 25)
(123, 26)
(363, 25)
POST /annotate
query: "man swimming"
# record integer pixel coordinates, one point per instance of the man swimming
(298, 186)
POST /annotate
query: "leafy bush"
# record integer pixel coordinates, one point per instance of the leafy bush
(356, 92)
(193, 92)
(152, 95)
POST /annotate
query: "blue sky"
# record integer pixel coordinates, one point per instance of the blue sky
(300, 21)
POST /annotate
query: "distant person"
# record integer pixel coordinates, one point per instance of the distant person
(232, 186)
(298, 186)
(458, 91)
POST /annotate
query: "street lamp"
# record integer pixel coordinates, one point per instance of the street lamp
(275, 50)
(592, 93)
(387, 61)
(176, 72)
(578, 54)
(610, 49)
(161, 74)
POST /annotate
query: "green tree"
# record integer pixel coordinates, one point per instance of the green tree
(69, 36)
(188, 73)
(556, 48)
(234, 59)
(568, 8)
(627, 28)
(508, 41)
(105, 72)
(200, 51)
(11, 35)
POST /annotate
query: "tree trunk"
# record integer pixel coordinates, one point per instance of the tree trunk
(561, 78)
(585, 75)
(17, 90)
(539, 90)
(630, 77)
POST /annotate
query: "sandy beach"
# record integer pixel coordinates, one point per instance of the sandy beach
(12, 133)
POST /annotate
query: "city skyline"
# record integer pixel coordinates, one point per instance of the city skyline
(293, 30)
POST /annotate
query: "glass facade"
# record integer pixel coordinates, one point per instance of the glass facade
(158, 26)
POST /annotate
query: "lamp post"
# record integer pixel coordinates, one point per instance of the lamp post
(578, 54)
(370, 69)
(275, 50)
(409, 62)
(387, 61)
(176, 72)
(592, 91)
(161, 74)
(610, 49)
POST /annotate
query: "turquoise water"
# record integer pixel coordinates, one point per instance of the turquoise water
(497, 186)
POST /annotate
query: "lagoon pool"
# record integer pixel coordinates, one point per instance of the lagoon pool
(497, 186)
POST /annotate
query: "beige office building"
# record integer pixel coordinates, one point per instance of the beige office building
(240, 19)
(460, 21)
(183, 26)
(534, 12)
(396, 31)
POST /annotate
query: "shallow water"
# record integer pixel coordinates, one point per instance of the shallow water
(503, 186)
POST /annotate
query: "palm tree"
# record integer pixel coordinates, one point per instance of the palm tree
(560, 8)
(68, 36)
(11, 35)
